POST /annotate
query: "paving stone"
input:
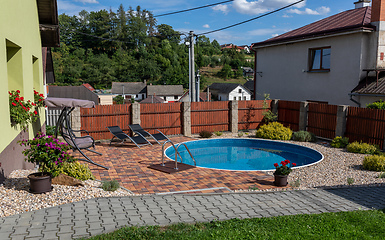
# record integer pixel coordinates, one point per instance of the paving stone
(50, 235)
(64, 236)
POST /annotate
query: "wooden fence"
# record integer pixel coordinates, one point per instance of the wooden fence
(210, 116)
(366, 125)
(250, 114)
(288, 114)
(322, 120)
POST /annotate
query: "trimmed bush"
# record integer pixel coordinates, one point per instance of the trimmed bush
(364, 148)
(110, 185)
(77, 170)
(376, 105)
(205, 134)
(275, 131)
(304, 136)
(340, 142)
(374, 163)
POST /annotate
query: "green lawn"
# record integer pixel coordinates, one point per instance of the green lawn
(343, 225)
(210, 75)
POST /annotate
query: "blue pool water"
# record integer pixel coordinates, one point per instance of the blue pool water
(244, 154)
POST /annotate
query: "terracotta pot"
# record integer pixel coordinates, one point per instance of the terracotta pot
(280, 180)
(40, 182)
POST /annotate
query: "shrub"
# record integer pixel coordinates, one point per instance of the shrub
(376, 105)
(275, 131)
(110, 185)
(374, 163)
(304, 136)
(205, 134)
(50, 130)
(340, 142)
(119, 99)
(364, 148)
(350, 180)
(218, 133)
(78, 171)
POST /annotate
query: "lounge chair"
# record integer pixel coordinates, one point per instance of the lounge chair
(138, 130)
(118, 133)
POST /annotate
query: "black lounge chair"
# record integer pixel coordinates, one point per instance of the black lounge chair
(138, 140)
(137, 129)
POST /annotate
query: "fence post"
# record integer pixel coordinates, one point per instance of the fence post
(76, 122)
(135, 114)
(274, 106)
(342, 111)
(233, 116)
(186, 118)
(303, 115)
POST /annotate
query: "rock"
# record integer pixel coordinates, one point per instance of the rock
(63, 179)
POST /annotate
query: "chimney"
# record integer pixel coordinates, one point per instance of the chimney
(378, 11)
(362, 3)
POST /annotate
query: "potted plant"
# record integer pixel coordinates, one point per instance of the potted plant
(281, 172)
(50, 154)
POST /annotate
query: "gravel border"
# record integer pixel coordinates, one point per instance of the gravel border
(338, 165)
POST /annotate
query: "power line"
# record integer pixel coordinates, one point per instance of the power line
(252, 19)
(190, 9)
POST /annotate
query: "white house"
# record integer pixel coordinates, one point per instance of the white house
(229, 91)
(325, 60)
(129, 90)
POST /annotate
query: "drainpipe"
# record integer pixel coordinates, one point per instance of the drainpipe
(356, 102)
(363, 94)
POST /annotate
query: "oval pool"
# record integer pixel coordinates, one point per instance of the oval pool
(244, 154)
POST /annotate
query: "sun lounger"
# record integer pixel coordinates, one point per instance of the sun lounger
(138, 130)
(118, 133)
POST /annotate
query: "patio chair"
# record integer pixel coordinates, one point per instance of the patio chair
(137, 129)
(138, 140)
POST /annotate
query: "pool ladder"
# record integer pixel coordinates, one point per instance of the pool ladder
(176, 153)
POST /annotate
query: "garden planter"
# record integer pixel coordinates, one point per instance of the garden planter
(280, 180)
(40, 182)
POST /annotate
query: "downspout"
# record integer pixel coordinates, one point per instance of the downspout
(356, 102)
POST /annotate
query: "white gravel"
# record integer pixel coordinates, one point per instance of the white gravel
(337, 166)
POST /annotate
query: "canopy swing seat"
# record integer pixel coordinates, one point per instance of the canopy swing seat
(63, 126)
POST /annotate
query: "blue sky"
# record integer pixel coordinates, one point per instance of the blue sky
(212, 18)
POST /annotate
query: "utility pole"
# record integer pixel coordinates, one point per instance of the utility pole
(192, 87)
(198, 79)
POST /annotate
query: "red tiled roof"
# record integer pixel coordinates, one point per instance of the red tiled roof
(87, 85)
(355, 19)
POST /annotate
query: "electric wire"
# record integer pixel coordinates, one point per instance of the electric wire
(252, 19)
(191, 9)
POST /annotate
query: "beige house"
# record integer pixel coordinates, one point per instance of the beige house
(332, 57)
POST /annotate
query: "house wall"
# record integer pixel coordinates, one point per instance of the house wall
(235, 93)
(106, 99)
(20, 69)
(285, 76)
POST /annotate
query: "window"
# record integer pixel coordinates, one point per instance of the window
(175, 97)
(240, 90)
(235, 98)
(240, 98)
(319, 59)
(244, 98)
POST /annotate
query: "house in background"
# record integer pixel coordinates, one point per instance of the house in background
(250, 86)
(79, 92)
(129, 90)
(203, 97)
(26, 27)
(229, 91)
(152, 99)
(248, 72)
(330, 58)
(169, 93)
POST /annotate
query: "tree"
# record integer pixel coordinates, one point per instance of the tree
(225, 72)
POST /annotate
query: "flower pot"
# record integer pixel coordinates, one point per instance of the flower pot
(280, 180)
(40, 182)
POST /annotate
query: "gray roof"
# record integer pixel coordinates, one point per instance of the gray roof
(249, 85)
(77, 92)
(224, 87)
(152, 99)
(370, 86)
(129, 87)
(165, 90)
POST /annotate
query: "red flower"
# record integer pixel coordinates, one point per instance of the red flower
(283, 163)
(20, 103)
(287, 161)
(22, 98)
(17, 99)
(10, 93)
(18, 91)
(294, 164)
(40, 100)
(14, 104)
(41, 95)
(275, 164)
(35, 112)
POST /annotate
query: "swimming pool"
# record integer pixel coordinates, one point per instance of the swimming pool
(244, 154)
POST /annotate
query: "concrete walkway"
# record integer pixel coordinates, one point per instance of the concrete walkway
(96, 216)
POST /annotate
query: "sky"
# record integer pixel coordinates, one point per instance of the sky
(223, 15)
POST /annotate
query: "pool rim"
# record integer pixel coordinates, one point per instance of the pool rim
(252, 139)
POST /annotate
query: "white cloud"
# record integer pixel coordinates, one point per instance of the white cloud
(206, 26)
(87, 1)
(223, 8)
(262, 6)
(319, 11)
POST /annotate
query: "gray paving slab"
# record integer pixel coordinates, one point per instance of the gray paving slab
(100, 215)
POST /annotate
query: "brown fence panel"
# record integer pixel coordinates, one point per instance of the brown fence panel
(209, 116)
(96, 120)
(250, 114)
(167, 117)
(366, 125)
(288, 114)
(322, 120)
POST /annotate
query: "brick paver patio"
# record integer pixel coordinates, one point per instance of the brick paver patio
(129, 166)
